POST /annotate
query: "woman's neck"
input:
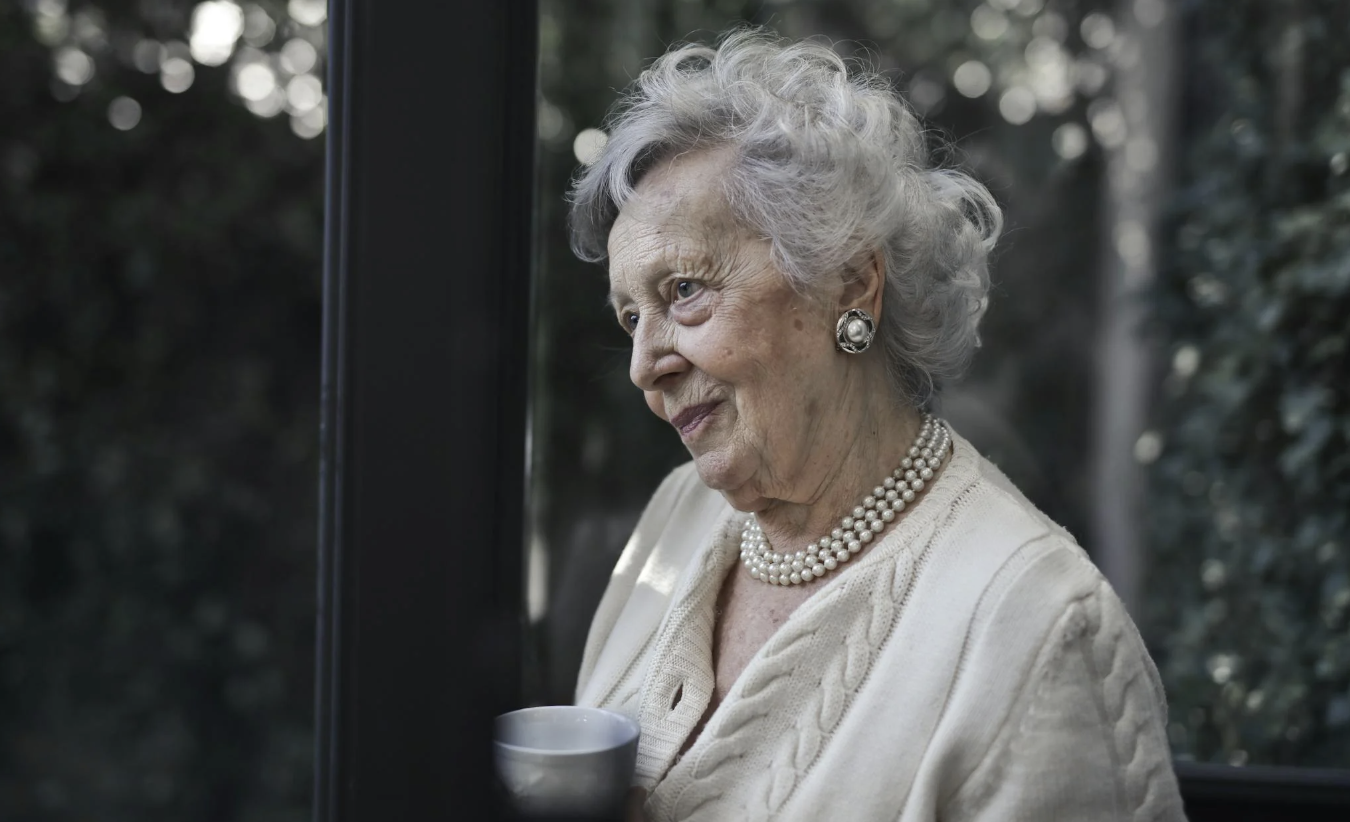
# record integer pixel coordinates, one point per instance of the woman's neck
(872, 445)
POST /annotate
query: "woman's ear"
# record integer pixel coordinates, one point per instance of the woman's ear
(865, 285)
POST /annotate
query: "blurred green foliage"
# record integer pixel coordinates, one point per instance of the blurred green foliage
(159, 310)
(1249, 503)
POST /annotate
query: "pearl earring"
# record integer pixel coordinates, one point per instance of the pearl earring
(854, 331)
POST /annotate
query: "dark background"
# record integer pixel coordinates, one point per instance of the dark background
(159, 360)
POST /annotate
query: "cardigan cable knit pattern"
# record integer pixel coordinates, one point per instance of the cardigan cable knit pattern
(819, 695)
(972, 664)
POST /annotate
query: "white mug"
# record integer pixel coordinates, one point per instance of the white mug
(566, 760)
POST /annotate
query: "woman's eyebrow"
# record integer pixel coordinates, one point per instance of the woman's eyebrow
(660, 266)
(647, 272)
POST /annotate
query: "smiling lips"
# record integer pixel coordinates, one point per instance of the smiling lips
(688, 420)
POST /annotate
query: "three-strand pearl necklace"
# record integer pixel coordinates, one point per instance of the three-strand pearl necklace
(862, 526)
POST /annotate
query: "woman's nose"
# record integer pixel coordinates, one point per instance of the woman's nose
(656, 361)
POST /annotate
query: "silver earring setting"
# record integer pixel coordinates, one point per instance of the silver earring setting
(854, 331)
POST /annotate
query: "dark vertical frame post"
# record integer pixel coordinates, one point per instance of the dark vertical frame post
(426, 326)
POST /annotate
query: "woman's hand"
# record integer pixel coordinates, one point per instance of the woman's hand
(637, 797)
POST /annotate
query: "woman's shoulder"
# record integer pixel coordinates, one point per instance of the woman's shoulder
(1009, 547)
(675, 523)
(1030, 580)
(1052, 668)
(674, 529)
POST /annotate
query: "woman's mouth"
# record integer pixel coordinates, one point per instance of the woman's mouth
(691, 419)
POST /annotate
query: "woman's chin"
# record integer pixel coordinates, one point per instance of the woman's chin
(729, 478)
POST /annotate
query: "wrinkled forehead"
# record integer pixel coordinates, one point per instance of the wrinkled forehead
(679, 202)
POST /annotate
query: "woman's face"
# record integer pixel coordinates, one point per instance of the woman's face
(741, 365)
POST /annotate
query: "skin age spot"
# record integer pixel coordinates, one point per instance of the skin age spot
(797, 324)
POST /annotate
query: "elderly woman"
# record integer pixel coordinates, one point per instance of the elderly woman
(838, 609)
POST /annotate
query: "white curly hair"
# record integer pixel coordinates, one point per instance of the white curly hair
(828, 164)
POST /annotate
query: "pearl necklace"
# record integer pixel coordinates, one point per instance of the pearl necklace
(863, 525)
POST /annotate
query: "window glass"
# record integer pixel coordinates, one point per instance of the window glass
(161, 193)
(1160, 358)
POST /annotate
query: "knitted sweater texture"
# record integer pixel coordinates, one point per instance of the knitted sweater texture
(971, 665)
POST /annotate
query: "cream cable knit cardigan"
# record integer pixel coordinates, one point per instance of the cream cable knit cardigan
(972, 665)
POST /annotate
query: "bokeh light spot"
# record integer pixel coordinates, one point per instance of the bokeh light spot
(310, 124)
(549, 122)
(1150, 12)
(308, 12)
(256, 81)
(1132, 243)
(1051, 72)
(1213, 574)
(216, 26)
(589, 144)
(1097, 29)
(1108, 122)
(1220, 666)
(1089, 75)
(259, 27)
(73, 66)
(972, 78)
(298, 56)
(1148, 447)
(1042, 52)
(1051, 25)
(147, 55)
(1206, 290)
(988, 23)
(1126, 52)
(50, 22)
(1017, 105)
(303, 93)
(124, 113)
(268, 106)
(89, 28)
(176, 75)
(1186, 361)
(1070, 140)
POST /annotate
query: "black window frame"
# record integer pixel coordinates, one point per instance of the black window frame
(423, 462)
(427, 316)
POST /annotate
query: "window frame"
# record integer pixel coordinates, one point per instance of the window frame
(428, 231)
(1257, 793)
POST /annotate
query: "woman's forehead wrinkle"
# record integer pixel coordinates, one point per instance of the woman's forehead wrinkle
(644, 242)
(677, 220)
(636, 252)
(635, 247)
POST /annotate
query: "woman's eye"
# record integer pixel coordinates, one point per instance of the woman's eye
(630, 321)
(685, 289)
